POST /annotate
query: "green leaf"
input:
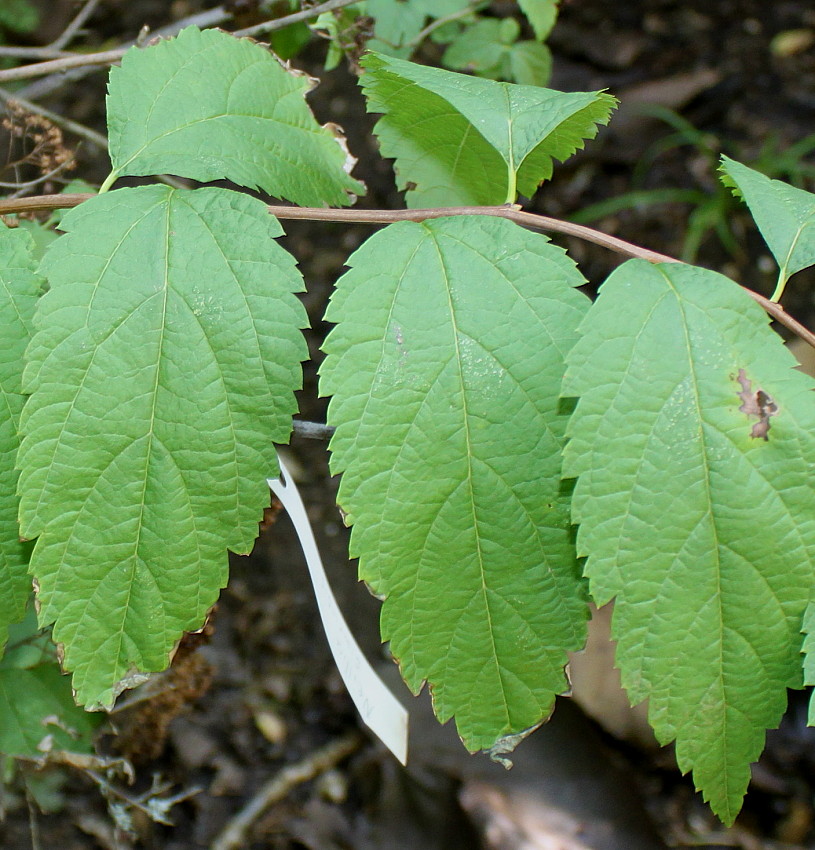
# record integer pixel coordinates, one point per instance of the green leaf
(38, 713)
(448, 437)
(809, 656)
(465, 141)
(530, 63)
(208, 106)
(41, 234)
(542, 14)
(397, 22)
(479, 48)
(19, 289)
(163, 367)
(784, 215)
(28, 645)
(703, 530)
(443, 8)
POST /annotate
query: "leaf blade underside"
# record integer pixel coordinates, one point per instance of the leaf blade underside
(461, 140)
(448, 437)
(163, 366)
(208, 106)
(704, 533)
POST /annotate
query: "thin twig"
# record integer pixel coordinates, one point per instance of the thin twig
(29, 183)
(96, 139)
(530, 220)
(212, 17)
(33, 52)
(75, 60)
(279, 786)
(440, 22)
(525, 219)
(312, 430)
(76, 24)
(295, 17)
(33, 822)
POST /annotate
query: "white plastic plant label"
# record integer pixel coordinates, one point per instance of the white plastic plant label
(378, 707)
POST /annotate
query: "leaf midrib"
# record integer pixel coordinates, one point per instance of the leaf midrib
(468, 441)
(714, 528)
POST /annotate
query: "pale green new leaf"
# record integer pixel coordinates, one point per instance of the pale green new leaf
(459, 140)
(162, 369)
(784, 215)
(445, 369)
(208, 106)
(703, 530)
(19, 289)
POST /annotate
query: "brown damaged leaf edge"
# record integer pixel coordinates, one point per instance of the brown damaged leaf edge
(757, 404)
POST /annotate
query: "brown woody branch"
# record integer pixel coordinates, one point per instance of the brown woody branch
(525, 219)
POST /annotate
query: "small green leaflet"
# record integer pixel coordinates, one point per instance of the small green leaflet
(459, 140)
(396, 23)
(164, 363)
(19, 289)
(784, 215)
(542, 14)
(445, 369)
(208, 106)
(702, 529)
(490, 48)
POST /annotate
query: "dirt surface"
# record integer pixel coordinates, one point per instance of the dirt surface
(258, 690)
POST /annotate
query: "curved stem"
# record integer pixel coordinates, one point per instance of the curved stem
(533, 221)
(108, 182)
(780, 285)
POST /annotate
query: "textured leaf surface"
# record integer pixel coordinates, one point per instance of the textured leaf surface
(704, 533)
(19, 288)
(162, 368)
(784, 215)
(463, 140)
(208, 106)
(445, 370)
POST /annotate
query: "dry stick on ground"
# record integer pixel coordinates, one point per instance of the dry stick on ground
(277, 788)
(525, 219)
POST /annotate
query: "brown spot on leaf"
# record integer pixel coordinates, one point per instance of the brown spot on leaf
(756, 403)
